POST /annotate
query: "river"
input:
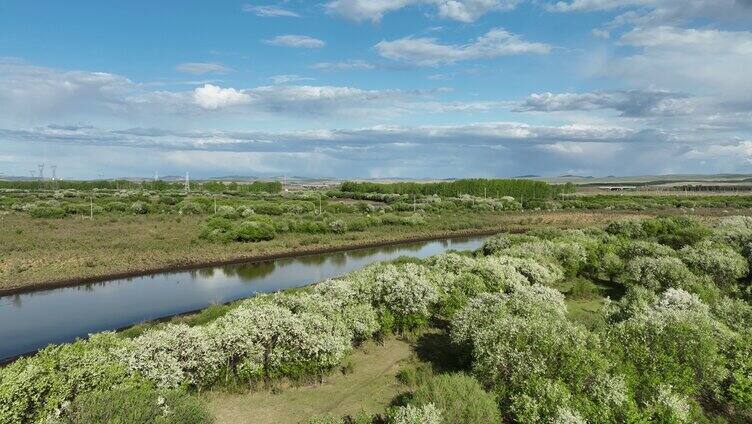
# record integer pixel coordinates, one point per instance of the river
(33, 320)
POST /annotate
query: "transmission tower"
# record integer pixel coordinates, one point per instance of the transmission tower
(54, 169)
(41, 171)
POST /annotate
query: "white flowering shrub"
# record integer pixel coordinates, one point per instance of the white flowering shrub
(405, 289)
(496, 244)
(734, 230)
(722, 263)
(537, 271)
(660, 341)
(631, 249)
(33, 388)
(669, 407)
(174, 355)
(426, 414)
(139, 208)
(658, 273)
(227, 212)
(570, 256)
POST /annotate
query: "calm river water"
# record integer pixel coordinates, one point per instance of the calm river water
(34, 320)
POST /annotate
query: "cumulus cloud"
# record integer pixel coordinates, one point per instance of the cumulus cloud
(299, 41)
(201, 68)
(630, 103)
(429, 52)
(703, 60)
(367, 10)
(348, 65)
(212, 97)
(270, 11)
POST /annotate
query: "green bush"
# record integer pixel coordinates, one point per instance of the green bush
(251, 231)
(460, 398)
(138, 405)
(47, 212)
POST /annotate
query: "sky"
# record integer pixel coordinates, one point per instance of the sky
(375, 88)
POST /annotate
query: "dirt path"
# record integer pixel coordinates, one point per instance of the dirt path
(370, 387)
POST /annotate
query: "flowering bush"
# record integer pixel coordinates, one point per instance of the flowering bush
(35, 387)
(722, 263)
(426, 414)
(174, 355)
(227, 212)
(405, 290)
(658, 273)
(659, 343)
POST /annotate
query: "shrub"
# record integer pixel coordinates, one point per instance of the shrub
(47, 212)
(338, 226)
(226, 212)
(722, 263)
(33, 388)
(251, 231)
(190, 208)
(658, 344)
(426, 414)
(659, 273)
(460, 398)
(139, 208)
(406, 291)
(142, 405)
(173, 355)
(496, 244)
(116, 207)
(216, 228)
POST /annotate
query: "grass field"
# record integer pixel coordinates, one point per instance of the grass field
(370, 387)
(36, 253)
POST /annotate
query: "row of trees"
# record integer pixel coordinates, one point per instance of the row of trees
(519, 189)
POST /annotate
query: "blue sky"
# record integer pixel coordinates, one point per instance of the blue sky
(377, 88)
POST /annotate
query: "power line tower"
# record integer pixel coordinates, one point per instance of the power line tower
(41, 171)
(54, 169)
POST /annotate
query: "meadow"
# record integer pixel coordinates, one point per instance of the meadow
(58, 233)
(639, 320)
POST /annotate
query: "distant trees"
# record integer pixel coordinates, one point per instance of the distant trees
(519, 189)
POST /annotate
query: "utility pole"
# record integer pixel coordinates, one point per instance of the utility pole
(414, 205)
(91, 208)
(187, 183)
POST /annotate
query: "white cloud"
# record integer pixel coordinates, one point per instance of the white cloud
(200, 68)
(458, 10)
(212, 97)
(302, 41)
(701, 61)
(286, 79)
(270, 11)
(471, 10)
(645, 13)
(367, 10)
(631, 103)
(429, 52)
(348, 65)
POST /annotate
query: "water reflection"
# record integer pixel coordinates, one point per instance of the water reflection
(31, 321)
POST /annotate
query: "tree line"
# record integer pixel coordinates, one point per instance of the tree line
(519, 189)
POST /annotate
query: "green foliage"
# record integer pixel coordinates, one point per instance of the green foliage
(35, 387)
(142, 405)
(460, 398)
(47, 212)
(528, 189)
(252, 231)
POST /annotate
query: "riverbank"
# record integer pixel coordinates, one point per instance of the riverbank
(38, 254)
